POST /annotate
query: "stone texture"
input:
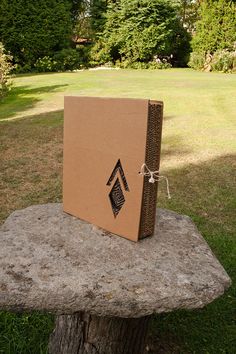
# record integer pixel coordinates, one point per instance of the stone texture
(52, 261)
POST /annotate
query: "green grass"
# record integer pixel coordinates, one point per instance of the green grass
(198, 156)
(24, 333)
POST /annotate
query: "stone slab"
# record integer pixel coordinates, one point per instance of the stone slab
(53, 262)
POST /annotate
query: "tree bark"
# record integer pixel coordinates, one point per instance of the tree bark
(82, 333)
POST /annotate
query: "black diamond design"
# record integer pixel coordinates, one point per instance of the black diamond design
(117, 198)
(118, 168)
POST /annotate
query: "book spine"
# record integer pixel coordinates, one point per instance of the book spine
(152, 160)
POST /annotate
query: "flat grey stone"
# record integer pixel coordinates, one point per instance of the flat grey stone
(55, 262)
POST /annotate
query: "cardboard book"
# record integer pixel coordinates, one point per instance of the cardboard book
(106, 141)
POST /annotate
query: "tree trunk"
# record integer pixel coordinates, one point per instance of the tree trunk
(82, 333)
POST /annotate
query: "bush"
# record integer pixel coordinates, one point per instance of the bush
(160, 64)
(45, 64)
(5, 69)
(65, 60)
(21, 69)
(222, 60)
(84, 55)
(98, 54)
(197, 60)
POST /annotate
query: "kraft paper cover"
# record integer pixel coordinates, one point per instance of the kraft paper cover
(104, 148)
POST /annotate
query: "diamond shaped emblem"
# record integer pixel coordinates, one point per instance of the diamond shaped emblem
(117, 198)
(116, 194)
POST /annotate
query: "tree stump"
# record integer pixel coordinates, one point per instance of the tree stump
(103, 287)
(82, 333)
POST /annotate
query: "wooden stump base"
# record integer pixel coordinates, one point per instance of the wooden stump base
(82, 333)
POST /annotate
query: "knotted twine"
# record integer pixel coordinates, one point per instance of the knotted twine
(154, 177)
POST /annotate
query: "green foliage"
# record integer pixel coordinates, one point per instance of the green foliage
(99, 54)
(215, 39)
(136, 31)
(71, 59)
(65, 60)
(45, 64)
(91, 19)
(216, 28)
(6, 67)
(76, 7)
(197, 60)
(155, 64)
(34, 29)
(224, 61)
(188, 12)
(97, 11)
(82, 28)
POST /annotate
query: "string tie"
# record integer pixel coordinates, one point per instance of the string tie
(154, 177)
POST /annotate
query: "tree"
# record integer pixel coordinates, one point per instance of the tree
(97, 13)
(91, 18)
(216, 28)
(82, 26)
(138, 30)
(188, 12)
(31, 29)
(76, 7)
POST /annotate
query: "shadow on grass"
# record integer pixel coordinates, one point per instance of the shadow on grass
(31, 161)
(49, 119)
(173, 145)
(22, 98)
(207, 193)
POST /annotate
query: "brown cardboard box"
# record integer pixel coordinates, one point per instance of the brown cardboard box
(106, 141)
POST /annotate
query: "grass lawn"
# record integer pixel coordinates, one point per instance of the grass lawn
(198, 156)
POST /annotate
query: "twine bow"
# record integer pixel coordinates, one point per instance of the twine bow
(154, 177)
